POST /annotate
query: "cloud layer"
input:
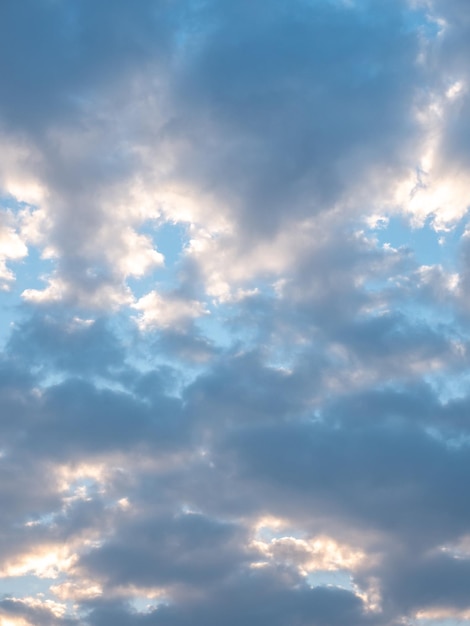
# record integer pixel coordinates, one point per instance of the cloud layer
(234, 268)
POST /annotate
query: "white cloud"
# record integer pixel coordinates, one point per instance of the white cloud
(167, 311)
(12, 248)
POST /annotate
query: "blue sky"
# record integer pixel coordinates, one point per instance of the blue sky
(234, 313)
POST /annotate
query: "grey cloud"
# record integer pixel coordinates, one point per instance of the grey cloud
(256, 599)
(187, 549)
(390, 479)
(53, 342)
(241, 388)
(366, 467)
(80, 414)
(76, 418)
(54, 55)
(413, 403)
(310, 97)
(25, 491)
(432, 582)
(390, 342)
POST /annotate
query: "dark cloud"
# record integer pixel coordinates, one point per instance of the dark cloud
(257, 599)
(433, 582)
(298, 103)
(75, 346)
(392, 479)
(76, 416)
(55, 55)
(188, 549)
(242, 388)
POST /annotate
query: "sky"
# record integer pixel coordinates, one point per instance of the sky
(234, 313)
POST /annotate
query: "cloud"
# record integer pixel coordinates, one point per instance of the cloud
(12, 248)
(167, 312)
(311, 132)
(232, 390)
(259, 597)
